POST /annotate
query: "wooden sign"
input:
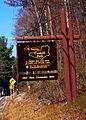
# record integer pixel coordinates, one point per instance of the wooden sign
(37, 60)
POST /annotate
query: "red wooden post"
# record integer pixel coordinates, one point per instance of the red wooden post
(72, 59)
(66, 56)
(17, 75)
(50, 37)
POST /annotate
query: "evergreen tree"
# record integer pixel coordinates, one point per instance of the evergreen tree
(6, 61)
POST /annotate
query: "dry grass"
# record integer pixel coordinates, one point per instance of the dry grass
(21, 110)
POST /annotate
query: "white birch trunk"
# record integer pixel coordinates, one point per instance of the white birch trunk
(37, 15)
(49, 20)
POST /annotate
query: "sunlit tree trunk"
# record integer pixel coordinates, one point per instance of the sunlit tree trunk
(37, 15)
(66, 10)
(49, 20)
(46, 24)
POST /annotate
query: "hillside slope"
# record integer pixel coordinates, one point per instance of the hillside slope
(28, 107)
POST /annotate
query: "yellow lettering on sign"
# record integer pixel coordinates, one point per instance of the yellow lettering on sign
(39, 77)
(34, 49)
(32, 77)
(51, 76)
(39, 56)
(24, 77)
(41, 53)
(31, 60)
(38, 66)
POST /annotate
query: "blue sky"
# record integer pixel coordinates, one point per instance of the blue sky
(7, 22)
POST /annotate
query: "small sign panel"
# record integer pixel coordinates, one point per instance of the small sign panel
(37, 60)
(11, 87)
(12, 81)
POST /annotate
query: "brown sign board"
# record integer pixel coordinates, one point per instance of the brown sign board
(37, 60)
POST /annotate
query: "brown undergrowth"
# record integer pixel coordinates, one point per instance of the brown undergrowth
(27, 107)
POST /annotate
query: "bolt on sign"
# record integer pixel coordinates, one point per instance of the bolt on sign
(37, 60)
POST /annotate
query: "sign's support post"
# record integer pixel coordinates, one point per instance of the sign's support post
(66, 56)
(17, 75)
(72, 59)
